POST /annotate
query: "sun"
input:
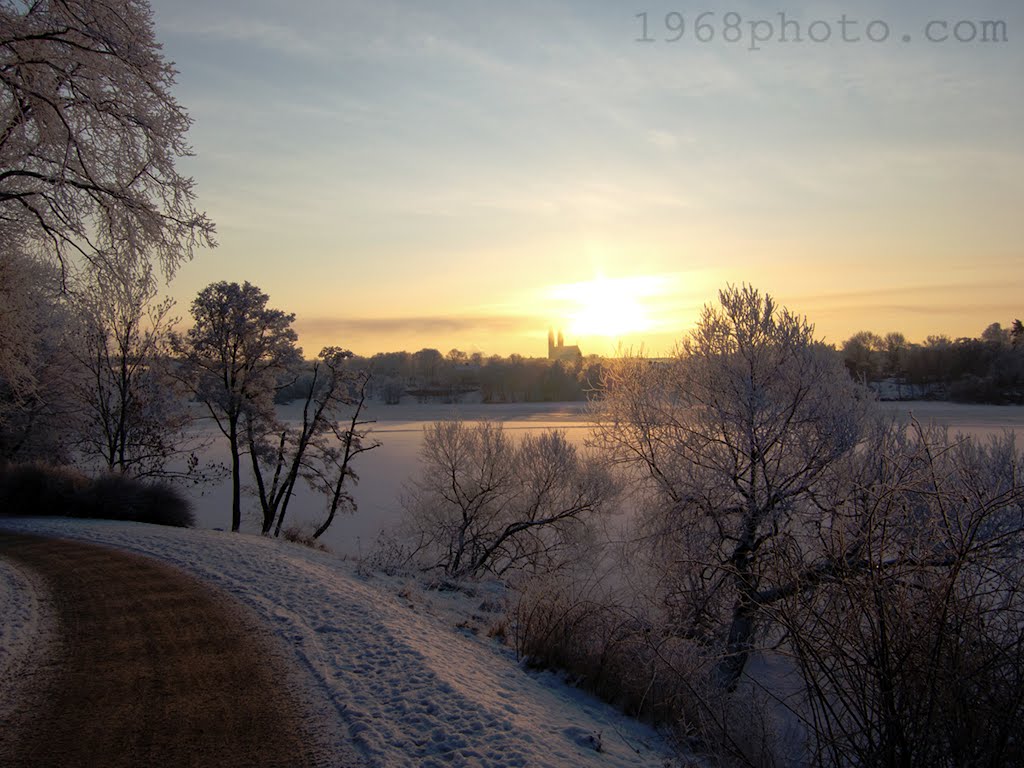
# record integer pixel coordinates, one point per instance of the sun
(608, 307)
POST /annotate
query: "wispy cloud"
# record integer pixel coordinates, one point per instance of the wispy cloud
(442, 325)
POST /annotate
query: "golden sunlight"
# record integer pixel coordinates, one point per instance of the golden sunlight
(608, 307)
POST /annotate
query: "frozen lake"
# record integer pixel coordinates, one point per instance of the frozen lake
(399, 428)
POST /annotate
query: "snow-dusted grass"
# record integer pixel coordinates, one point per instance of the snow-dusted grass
(378, 657)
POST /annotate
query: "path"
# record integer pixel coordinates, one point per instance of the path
(151, 667)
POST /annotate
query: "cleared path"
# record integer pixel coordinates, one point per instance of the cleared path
(150, 668)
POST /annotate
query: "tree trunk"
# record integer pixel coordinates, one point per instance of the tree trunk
(236, 481)
(739, 644)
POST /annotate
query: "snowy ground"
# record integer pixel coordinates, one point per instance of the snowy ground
(381, 659)
(384, 659)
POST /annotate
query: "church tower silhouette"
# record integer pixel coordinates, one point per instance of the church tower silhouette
(558, 351)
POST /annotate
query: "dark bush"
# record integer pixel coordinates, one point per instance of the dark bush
(36, 489)
(116, 497)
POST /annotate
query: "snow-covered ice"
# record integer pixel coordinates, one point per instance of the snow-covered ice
(406, 685)
(383, 471)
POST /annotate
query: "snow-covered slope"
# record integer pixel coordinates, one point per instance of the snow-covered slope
(406, 687)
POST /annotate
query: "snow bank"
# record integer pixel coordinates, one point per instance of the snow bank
(27, 634)
(409, 689)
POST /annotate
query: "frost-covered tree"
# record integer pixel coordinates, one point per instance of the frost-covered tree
(909, 633)
(37, 372)
(137, 419)
(89, 136)
(734, 442)
(486, 503)
(235, 356)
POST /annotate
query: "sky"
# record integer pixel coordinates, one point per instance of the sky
(468, 173)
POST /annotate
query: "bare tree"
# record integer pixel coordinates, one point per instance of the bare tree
(784, 515)
(236, 355)
(329, 469)
(911, 648)
(484, 502)
(318, 448)
(137, 419)
(89, 136)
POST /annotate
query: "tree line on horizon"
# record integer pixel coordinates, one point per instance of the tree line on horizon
(429, 375)
(984, 369)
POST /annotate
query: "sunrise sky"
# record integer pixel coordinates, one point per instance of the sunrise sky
(469, 173)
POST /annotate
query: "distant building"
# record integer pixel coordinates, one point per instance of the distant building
(561, 352)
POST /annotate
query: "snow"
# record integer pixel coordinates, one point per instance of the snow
(389, 669)
(383, 662)
(975, 420)
(26, 632)
(400, 431)
(383, 470)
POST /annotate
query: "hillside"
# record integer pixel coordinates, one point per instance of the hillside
(378, 661)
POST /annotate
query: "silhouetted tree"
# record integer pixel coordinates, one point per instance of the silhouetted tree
(996, 335)
(427, 363)
(861, 353)
(234, 357)
(316, 447)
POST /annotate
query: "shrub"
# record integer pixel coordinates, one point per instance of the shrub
(485, 502)
(40, 490)
(604, 646)
(116, 497)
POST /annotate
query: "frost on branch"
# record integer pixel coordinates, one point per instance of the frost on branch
(89, 136)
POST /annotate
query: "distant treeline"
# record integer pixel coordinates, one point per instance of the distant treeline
(429, 375)
(988, 369)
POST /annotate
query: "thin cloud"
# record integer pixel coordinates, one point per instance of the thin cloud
(922, 292)
(418, 326)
